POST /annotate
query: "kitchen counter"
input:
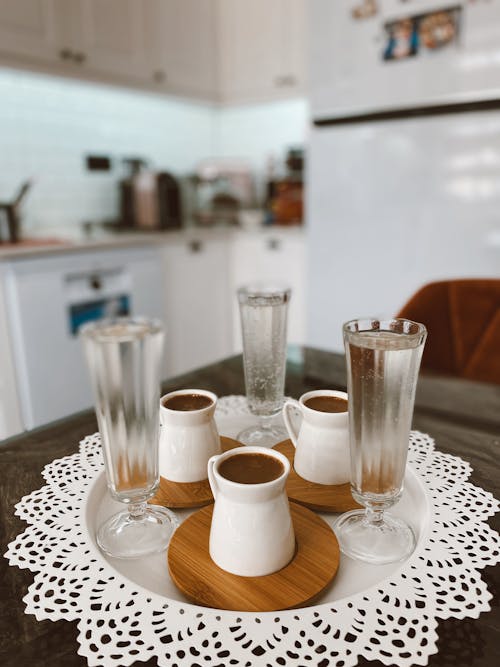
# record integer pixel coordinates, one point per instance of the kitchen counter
(460, 415)
(63, 243)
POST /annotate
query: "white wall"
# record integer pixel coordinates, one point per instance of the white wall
(394, 205)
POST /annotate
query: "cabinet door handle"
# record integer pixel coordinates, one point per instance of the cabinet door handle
(284, 81)
(273, 244)
(159, 76)
(95, 282)
(79, 58)
(195, 246)
(65, 54)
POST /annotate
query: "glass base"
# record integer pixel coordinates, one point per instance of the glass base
(126, 535)
(386, 541)
(262, 436)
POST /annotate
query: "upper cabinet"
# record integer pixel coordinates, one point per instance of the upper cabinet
(83, 38)
(107, 36)
(226, 51)
(29, 29)
(261, 49)
(180, 39)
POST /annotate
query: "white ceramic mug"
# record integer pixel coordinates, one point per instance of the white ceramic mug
(188, 438)
(322, 442)
(251, 533)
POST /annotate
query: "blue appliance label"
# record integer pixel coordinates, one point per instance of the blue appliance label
(81, 313)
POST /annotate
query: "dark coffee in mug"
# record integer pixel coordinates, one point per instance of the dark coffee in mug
(187, 402)
(326, 403)
(251, 468)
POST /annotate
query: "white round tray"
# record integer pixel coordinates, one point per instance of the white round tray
(151, 572)
(130, 611)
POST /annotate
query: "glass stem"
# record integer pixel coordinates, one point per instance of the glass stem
(374, 516)
(265, 422)
(137, 510)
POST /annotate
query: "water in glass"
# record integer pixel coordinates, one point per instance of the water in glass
(263, 311)
(125, 376)
(124, 357)
(383, 359)
(383, 380)
(264, 350)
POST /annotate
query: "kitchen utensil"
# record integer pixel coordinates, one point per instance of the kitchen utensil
(12, 213)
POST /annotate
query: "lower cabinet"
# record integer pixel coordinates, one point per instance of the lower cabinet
(277, 257)
(201, 277)
(197, 303)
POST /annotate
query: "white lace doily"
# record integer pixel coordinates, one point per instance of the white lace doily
(394, 621)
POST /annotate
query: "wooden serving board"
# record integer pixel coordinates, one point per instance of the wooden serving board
(319, 497)
(312, 569)
(189, 494)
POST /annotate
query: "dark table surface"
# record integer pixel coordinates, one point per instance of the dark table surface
(463, 417)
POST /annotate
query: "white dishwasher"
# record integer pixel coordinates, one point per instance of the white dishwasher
(49, 297)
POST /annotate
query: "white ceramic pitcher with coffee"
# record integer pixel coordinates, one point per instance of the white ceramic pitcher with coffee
(188, 436)
(251, 534)
(322, 440)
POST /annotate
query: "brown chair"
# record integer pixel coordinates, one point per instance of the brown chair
(463, 321)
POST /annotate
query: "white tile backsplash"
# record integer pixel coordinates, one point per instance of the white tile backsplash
(258, 132)
(49, 124)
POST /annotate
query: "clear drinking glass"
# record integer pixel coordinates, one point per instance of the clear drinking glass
(263, 311)
(124, 359)
(383, 360)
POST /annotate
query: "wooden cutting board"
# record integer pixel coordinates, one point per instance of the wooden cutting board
(309, 573)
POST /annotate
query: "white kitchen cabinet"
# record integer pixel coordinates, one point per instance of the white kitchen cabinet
(165, 45)
(180, 39)
(197, 303)
(81, 38)
(295, 45)
(226, 51)
(30, 29)
(10, 407)
(276, 256)
(107, 36)
(261, 49)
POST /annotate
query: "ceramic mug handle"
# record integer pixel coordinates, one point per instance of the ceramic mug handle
(211, 476)
(294, 436)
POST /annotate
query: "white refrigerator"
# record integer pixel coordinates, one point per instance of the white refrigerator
(404, 154)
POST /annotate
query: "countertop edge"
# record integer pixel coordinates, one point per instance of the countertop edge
(133, 239)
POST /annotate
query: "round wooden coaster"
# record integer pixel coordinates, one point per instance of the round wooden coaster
(311, 570)
(319, 497)
(189, 494)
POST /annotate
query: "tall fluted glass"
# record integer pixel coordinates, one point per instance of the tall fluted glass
(124, 360)
(263, 311)
(383, 360)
